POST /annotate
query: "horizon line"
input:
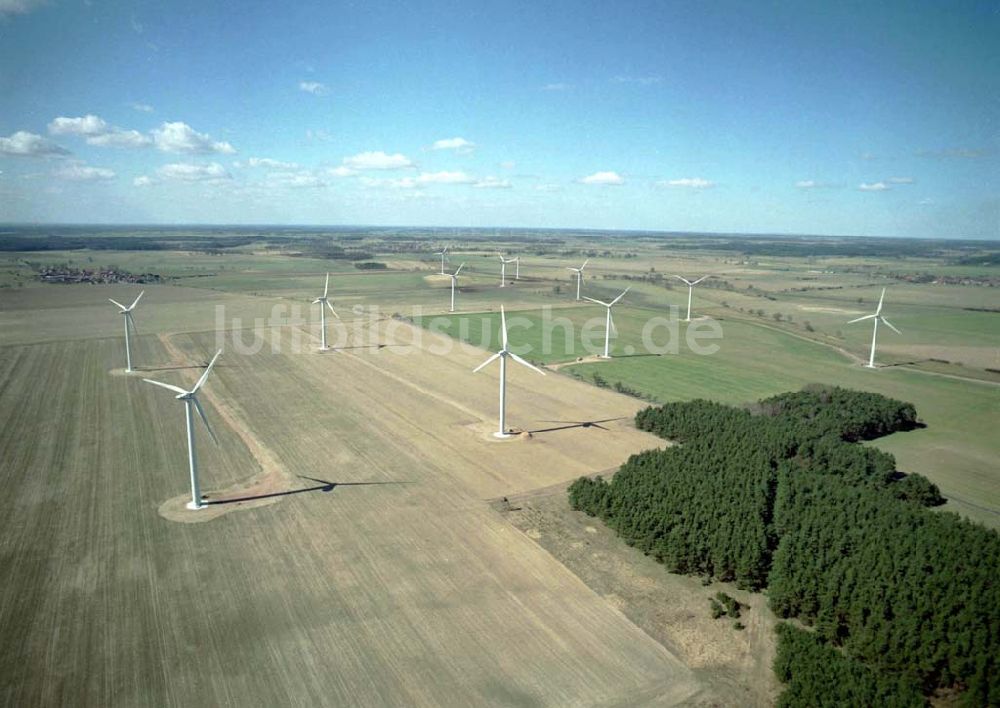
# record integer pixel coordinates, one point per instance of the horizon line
(554, 229)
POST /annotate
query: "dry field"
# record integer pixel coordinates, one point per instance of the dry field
(734, 664)
(364, 565)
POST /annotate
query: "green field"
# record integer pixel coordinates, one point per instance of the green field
(956, 450)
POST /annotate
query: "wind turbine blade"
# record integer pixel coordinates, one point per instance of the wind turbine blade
(890, 325)
(699, 280)
(611, 319)
(606, 304)
(130, 319)
(503, 328)
(684, 279)
(136, 301)
(575, 270)
(201, 412)
(204, 376)
(519, 360)
(331, 309)
(171, 387)
(487, 362)
(585, 264)
(459, 270)
(319, 299)
(866, 317)
(326, 288)
(124, 309)
(622, 295)
(880, 299)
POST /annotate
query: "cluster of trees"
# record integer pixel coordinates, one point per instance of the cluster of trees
(802, 247)
(902, 600)
(725, 604)
(818, 675)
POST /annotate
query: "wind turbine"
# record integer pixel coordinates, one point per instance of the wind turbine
(502, 356)
(579, 276)
(190, 399)
(503, 268)
(690, 285)
(324, 302)
(129, 322)
(610, 323)
(876, 317)
(443, 253)
(454, 279)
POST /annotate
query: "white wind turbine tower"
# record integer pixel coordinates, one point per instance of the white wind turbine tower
(875, 320)
(609, 323)
(503, 268)
(517, 267)
(579, 276)
(129, 323)
(690, 285)
(502, 356)
(443, 253)
(454, 279)
(323, 303)
(190, 399)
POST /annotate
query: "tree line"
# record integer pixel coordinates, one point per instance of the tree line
(901, 600)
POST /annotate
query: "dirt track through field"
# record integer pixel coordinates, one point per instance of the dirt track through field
(270, 479)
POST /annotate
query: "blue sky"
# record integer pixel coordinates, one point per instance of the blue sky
(781, 117)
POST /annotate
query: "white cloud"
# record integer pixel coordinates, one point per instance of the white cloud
(401, 183)
(318, 135)
(901, 180)
(270, 164)
(687, 182)
(85, 125)
(493, 183)
(548, 188)
(18, 7)
(445, 178)
(873, 187)
(638, 80)
(807, 184)
(297, 180)
(377, 161)
(79, 172)
(98, 132)
(142, 107)
(142, 181)
(508, 164)
(187, 172)
(180, 137)
(459, 145)
(603, 178)
(341, 172)
(25, 144)
(313, 87)
(121, 139)
(556, 87)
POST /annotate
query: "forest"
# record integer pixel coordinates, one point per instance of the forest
(901, 601)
